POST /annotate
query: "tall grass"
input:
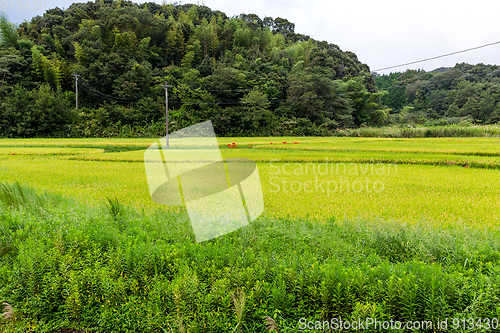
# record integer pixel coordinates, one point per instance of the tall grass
(116, 209)
(14, 195)
(77, 269)
(422, 131)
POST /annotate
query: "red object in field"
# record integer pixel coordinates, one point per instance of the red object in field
(234, 143)
(466, 166)
(13, 154)
(284, 142)
(249, 146)
(270, 143)
(296, 142)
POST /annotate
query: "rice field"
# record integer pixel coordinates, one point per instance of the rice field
(439, 180)
(352, 228)
(20, 150)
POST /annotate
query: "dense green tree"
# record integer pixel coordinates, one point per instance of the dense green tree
(363, 101)
(8, 33)
(48, 70)
(227, 84)
(135, 83)
(284, 27)
(256, 115)
(250, 76)
(9, 62)
(41, 112)
(464, 91)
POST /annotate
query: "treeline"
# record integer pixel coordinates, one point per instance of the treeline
(250, 76)
(464, 93)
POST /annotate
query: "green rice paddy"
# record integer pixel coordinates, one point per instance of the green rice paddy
(352, 228)
(438, 180)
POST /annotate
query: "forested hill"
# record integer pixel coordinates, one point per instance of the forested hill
(249, 75)
(445, 95)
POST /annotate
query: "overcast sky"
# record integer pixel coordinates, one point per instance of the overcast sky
(382, 33)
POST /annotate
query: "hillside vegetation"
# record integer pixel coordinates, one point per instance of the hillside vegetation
(464, 93)
(250, 76)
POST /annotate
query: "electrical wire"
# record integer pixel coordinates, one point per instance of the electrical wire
(437, 57)
(91, 89)
(96, 92)
(99, 94)
(399, 86)
(249, 89)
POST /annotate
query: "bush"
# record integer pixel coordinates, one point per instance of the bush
(37, 113)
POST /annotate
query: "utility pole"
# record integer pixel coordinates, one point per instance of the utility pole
(76, 89)
(166, 106)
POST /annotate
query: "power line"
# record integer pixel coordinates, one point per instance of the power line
(399, 86)
(437, 57)
(93, 90)
(96, 92)
(434, 80)
(249, 89)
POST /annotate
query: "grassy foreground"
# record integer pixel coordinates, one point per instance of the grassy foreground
(111, 269)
